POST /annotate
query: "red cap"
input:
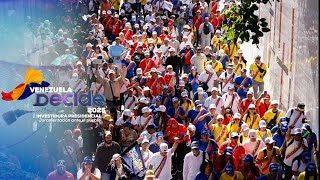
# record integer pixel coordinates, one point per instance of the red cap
(267, 96)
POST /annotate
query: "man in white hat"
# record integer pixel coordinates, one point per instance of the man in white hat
(215, 99)
(273, 115)
(145, 119)
(146, 153)
(174, 43)
(208, 78)
(199, 60)
(187, 31)
(186, 54)
(253, 145)
(161, 161)
(227, 78)
(147, 63)
(231, 99)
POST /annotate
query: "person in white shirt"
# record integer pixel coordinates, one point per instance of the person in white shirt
(199, 60)
(159, 60)
(146, 153)
(88, 171)
(192, 161)
(208, 77)
(77, 84)
(231, 99)
(295, 146)
(187, 31)
(300, 165)
(215, 99)
(161, 161)
(130, 101)
(296, 117)
(227, 78)
(253, 145)
(145, 119)
(127, 115)
(150, 133)
(165, 47)
(174, 42)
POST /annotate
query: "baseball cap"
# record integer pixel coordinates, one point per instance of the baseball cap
(248, 158)
(116, 156)
(151, 126)
(143, 100)
(111, 72)
(244, 70)
(269, 140)
(252, 134)
(145, 140)
(89, 45)
(107, 133)
(181, 83)
(61, 163)
(127, 124)
(139, 71)
(158, 98)
(164, 147)
(284, 126)
(274, 167)
(249, 92)
(234, 134)
(153, 70)
(198, 103)
(146, 110)
(159, 134)
(267, 96)
(230, 87)
(306, 126)
(262, 124)
(245, 127)
(146, 53)
(209, 68)
(205, 131)
(194, 68)
(161, 108)
(107, 117)
(150, 174)
(240, 51)
(251, 106)
(127, 112)
(175, 99)
(273, 102)
(229, 169)
(230, 66)
(87, 160)
(104, 12)
(228, 151)
(237, 115)
(213, 106)
(195, 145)
(188, 43)
(214, 89)
(200, 90)
(184, 94)
(306, 156)
(169, 67)
(297, 131)
(311, 167)
(301, 106)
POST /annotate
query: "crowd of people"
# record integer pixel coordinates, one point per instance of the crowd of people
(171, 84)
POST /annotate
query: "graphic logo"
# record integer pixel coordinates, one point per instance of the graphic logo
(33, 79)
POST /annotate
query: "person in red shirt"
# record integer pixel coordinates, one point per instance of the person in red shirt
(173, 130)
(227, 116)
(147, 63)
(197, 21)
(220, 18)
(238, 150)
(262, 107)
(60, 173)
(246, 102)
(165, 34)
(249, 169)
(155, 82)
(169, 77)
(123, 41)
(226, 158)
(128, 33)
(105, 5)
(116, 27)
(213, 6)
(107, 24)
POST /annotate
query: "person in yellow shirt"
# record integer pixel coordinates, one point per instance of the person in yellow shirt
(257, 71)
(215, 39)
(273, 115)
(263, 133)
(310, 173)
(186, 103)
(235, 124)
(219, 130)
(217, 65)
(221, 45)
(156, 39)
(251, 117)
(115, 4)
(267, 155)
(231, 174)
(237, 65)
(232, 48)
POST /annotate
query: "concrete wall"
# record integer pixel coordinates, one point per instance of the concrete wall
(291, 53)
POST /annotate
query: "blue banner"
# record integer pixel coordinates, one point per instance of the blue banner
(133, 158)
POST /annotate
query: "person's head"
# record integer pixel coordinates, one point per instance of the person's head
(234, 136)
(213, 57)
(159, 137)
(257, 59)
(269, 143)
(151, 128)
(173, 123)
(198, 50)
(243, 72)
(76, 133)
(198, 105)
(274, 105)
(91, 35)
(154, 72)
(248, 159)
(150, 175)
(172, 52)
(245, 129)
(145, 144)
(212, 109)
(139, 72)
(230, 89)
(61, 167)
(206, 167)
(117, 159)
(252, 135)
(87, 163)
(207, 50)
(306, 128)
(311, 169)
(191, 129)
(236, 59)
(283, 127)
(205, 133)
(214, 91)
(230, 68)
(106, 120)
(111, 75)
(108, 137)
(181, 86)
(266, 99)
(300, 107)
(229, 169)
(228, 113)
(195, 148)
(237, 118)
(250, 95)
(198, 13)
(146, 111)
(297, 134)
(164, 149)
(147, 54)
(306, 157)
(89, 46)
(262, 125)
(175, 102)
(68, 134)
(251, 109)
(194, 70)
(117, 40)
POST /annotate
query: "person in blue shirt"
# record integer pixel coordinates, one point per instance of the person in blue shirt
(194, 117)
(193, 79)
(206, 171)
(242, 84)
(155, 146)
(280, 136)
(130, 66)
(157, 102)
(176, 111)
(310, 136)
(166, 97)
(274, 173)
(208, 145)
(140, 78)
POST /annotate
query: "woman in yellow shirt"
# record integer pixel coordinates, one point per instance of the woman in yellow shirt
(263, 132)
(231, 174)
(235, 124)
(219, 130)
(186, 103)
(252, 118)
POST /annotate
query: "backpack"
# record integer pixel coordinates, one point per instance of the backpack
(206, 29)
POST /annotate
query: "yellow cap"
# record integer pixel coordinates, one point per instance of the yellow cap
(107, 117)
(150, 173)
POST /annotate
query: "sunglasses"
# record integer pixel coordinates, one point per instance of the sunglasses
(236, 119)
(252, 109)
(219, 119)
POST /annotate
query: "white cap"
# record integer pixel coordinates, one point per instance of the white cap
(166, 39)
(152, 20)
(145, 140)
(127, 112)
(240, 51)
(200, 90)
(115, 156)
(154, 33)
(252, 133)
(147, 53)
(237, 115)
(136, 25)
(220, 116)
(146, 88)
(159, 50)
(161, 108)
(274, 102)
(297, 131)
(144, 100)
(218, 31)
(173, 35)
(169, 66)
(262, 124)
(164, 147)
(108, 12)
(186, 26)
(89, 45)
(184, 94)
(122, 11)
(251, 106)
(79, 63)
(145, 26)
(116, 15)
(146, 110)
(139, 71)
(111, 72)
(153, 70)
(209, 68)
(172, 50)
(245, 127)
(269, 140)
(214, 89)
(181, 83)
(213, 106)
(188, 44)
(104, 12)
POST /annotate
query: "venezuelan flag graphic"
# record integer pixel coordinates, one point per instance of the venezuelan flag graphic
(33, 78)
